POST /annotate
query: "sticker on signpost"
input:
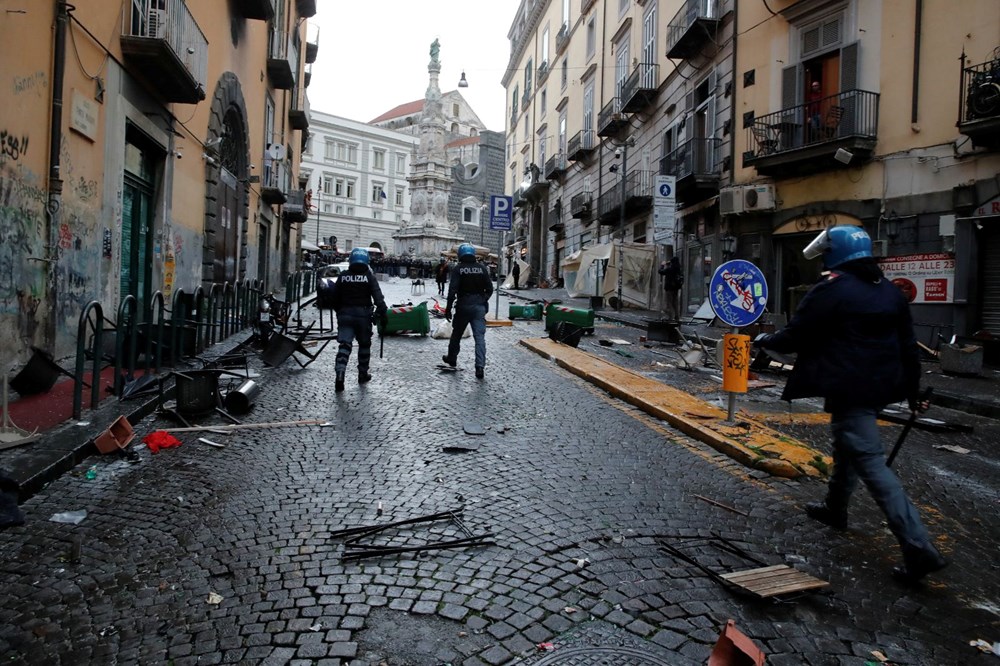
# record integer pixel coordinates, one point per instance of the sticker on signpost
(738, 293)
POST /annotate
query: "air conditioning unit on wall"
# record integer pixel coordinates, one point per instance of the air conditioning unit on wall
(758, 198)
(731, 200)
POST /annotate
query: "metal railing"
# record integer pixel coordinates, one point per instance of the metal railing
(685, 18)
(693, 157)
(608, 113)
(173, 23)
(979, 94)
(848, 114)
(643, 77)
(581, 142)
(562, 38)
(555, 166)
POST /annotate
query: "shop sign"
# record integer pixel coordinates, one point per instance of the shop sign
(923, 278)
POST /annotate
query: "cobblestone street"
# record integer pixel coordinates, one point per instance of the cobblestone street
(579, 490)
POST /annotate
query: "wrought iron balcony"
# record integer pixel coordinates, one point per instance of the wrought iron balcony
(298, 114)
(262, 10)
(806, 137)
(306, 8)
(638, 197)
(562, 39)
(526, 99)
(312, 43)
(555, 167)
(692, 27)
(695, 165)
(585, 5)
(611, 120)
(513, 117)
(542, 73)
(275, 182)
(581, 145)
(640, 87)
(580, 205)
(294, 208)
(307, 75)
(282, 60)
(979, 104)
(533, 186)
(166, 48)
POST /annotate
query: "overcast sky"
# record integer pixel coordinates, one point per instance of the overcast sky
(373, 54)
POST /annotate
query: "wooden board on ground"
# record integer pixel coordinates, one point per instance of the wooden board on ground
(773, 581)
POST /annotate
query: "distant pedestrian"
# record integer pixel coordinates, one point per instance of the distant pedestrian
(355, 294)
(515, 272)
(853, 333)
(471, 287)
(673, 280)
(442, 275)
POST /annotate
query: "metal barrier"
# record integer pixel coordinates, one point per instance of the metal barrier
(81, 357)
(177, 318)
(126, 325)
(215, 297)
(201, 324)
(228, 310)
(157, 303)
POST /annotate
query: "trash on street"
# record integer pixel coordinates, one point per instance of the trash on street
(69, 517)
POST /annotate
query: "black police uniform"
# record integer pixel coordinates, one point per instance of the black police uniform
(356, 291)
(469, 288)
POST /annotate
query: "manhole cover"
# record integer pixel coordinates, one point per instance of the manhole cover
(602, 656)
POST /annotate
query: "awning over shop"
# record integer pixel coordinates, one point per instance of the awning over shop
(309, 245)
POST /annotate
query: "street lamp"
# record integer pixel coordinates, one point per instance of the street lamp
(621, 148)
(318, 190)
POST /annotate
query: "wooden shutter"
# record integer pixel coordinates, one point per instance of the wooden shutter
(850, 121)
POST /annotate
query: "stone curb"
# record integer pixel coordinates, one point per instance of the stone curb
(748, 441)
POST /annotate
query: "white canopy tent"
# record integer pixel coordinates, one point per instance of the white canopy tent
(581, 271)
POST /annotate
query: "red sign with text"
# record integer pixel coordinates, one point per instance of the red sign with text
(923, 278)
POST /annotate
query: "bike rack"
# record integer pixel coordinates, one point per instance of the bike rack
(128, 311)
(81, 358)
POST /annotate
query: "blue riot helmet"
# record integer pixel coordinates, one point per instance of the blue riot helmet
(359, 256)
(838, 245)
(466, 252)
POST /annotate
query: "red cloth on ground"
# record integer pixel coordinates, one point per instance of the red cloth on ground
(160, 440)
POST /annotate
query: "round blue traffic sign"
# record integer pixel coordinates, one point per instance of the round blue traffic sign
(738, 293)
(664, 189)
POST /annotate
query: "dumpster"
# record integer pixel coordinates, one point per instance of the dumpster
(531, 311)
(402, 319)
(578, 316)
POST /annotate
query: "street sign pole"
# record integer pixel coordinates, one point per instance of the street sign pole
(501, 214)
(500, 242)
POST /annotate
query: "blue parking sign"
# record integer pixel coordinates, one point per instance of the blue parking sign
(501, 212)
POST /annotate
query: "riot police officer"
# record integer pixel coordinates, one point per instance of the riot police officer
(853, 333)
(470, 286)
(355, 293)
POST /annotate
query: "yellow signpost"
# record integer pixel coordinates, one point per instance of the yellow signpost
(736, 362)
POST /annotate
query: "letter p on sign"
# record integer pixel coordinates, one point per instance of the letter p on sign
(501, 212)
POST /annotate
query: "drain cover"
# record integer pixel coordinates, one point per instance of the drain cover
(603, 656)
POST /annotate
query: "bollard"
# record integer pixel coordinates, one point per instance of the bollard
(736, 362)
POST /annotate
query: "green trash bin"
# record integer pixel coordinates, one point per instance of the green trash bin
(407, 319)
(532, 311)
(554, 313)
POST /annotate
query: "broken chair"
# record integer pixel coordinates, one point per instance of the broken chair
(281, 347)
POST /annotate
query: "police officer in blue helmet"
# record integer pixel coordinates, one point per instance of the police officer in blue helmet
(853, 334)
(469, 289)
(354, 295)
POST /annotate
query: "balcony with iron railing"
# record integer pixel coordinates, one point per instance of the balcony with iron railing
(807, 137)
(555, 167)
(307, 75)
(298, 113)
(611, 120)
(979, 103)
(580, 205)
(585, 5)
(542, 73)
(513, 117)
(294, 208)
(692, 27)
(312, 43)
(562, 39)
(282, 60)
(581, 145)
(526, 99)
(276, 177)
(639, 91)
(262, 10)
(695, 165)
(638, 197)
(165, 47)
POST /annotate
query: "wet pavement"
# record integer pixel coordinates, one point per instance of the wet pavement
(580, 490)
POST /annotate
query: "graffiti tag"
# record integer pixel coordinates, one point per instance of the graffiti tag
(12, 146)
(23, 84)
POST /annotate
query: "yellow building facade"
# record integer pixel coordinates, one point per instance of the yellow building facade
(147, 146)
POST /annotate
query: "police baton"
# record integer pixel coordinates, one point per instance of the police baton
(924, 397)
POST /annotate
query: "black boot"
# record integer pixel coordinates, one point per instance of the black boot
(480, 373)
(364, 377)
(448, 361)
(917, 563)
(339, 383)
(824, 514)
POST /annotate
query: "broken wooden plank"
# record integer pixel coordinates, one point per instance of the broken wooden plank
(774, 580)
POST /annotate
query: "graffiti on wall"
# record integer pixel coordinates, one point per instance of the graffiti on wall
(35, 83)
(76, 272)
(13, 146)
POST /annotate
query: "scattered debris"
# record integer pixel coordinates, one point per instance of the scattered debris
(983, 646)
(214, 599)
(582, 562)
(879, 656)
(69, 517)
(316, 627)
(355, 550)
(473, 428)
(160, 439)
(211, 443)
(247, 426)
(954, 448)
(734, 648)
(569, 610)
(721, 505)
(546, 647)
(109, 630)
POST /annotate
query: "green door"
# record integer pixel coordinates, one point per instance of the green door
(137, 226)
